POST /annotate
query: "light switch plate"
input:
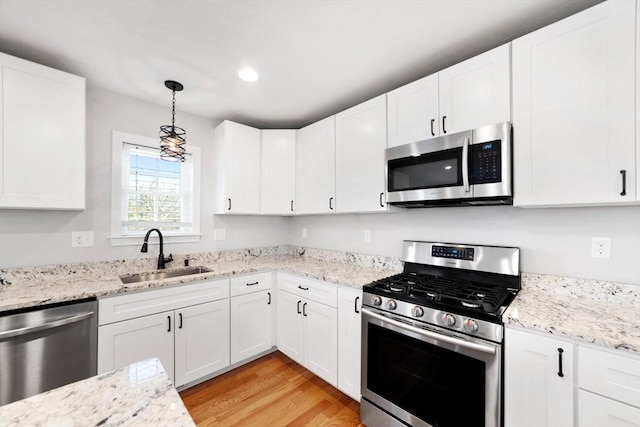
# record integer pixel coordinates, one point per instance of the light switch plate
(219, 234)
(304, 233)
(81, 239)
(367, 236)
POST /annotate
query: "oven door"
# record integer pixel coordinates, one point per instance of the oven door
(435, 169)
(426, 376)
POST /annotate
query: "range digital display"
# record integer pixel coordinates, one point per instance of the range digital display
(452, 252)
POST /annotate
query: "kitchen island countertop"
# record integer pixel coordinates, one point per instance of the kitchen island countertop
(138, 394)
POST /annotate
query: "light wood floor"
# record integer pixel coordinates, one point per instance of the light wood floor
(270, 391)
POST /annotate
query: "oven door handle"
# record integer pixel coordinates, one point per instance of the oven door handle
(451, 340)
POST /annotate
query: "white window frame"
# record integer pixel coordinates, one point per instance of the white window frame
(117, 238)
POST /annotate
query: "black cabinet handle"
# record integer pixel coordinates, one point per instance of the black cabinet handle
(180, 316)
(253, 283)
(304, 309)
(229, 204)
(169, 319)
(331, 203)
(624, 182)
(269, 302)
(560, 373)
(444, 130)
(292, 206)
(355, 305)
(299, 312)
(381, 204)
(304, 289)
(433, 132)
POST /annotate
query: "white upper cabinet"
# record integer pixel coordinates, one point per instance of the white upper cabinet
(473, 93)
(237, 169)
(476, 92)
(361, 138)
(413, 113)
(574, 110)
(316, 168)
(42, 137)
(278, 172)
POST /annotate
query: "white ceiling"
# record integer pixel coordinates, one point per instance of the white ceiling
(315, 58)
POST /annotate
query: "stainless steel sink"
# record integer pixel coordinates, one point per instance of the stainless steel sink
(160, 275)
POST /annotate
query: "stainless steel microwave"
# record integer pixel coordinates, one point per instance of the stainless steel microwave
(465, 168)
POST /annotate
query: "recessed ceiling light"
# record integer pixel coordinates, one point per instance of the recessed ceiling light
(248, 74)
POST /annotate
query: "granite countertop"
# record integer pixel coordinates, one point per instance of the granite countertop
(596, 312)
(41, 287)
(138, 394)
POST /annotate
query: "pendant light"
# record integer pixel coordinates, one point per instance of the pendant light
(172, 137)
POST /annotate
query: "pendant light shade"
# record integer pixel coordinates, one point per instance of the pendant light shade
(173, 138)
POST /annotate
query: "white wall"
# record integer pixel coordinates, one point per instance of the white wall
(29, 238)
(552, 241)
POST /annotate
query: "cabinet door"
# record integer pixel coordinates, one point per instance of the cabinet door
(535, 394)
(316, 168)
(321, 340)
(42, 136)
(476, 92)
(123, 343)
(574, 110)
(412, 113)
(278, 172)
(349, 336)
(289, 325)
(202, 340)
(598, 411)
(251, 324)
(237, 164)
(361, 138)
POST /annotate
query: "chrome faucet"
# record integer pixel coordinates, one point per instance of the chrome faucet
(161, 259)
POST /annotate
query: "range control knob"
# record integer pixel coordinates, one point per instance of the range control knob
(391, 304)
(470, 325)
(376, 300)
(417, 312)
(448, 319)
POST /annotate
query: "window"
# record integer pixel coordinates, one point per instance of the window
(148, 192)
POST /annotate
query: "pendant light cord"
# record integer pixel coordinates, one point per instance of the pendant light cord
(173, 111)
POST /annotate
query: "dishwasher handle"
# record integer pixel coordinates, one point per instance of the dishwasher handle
(45, 326)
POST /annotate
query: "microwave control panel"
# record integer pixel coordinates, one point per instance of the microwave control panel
(486, 165)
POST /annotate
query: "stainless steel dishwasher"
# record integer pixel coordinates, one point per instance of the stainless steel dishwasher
(41, 349)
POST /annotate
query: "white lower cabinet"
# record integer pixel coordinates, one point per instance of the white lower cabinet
(538, 380)
(123, 343)
(608, 388)
(349, 341)
(251, 324)
(307, 329)
(191, 341)
(202, 340)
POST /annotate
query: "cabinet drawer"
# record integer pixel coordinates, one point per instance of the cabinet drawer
(610, 374)
(315, 290)
(129, 306)
(598, 411)
(252, 283)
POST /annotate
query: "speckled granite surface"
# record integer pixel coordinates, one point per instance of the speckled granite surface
(591, 311)
(139, 394)
(597, 312)
(46, 285)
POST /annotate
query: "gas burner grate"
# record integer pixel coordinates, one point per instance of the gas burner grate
(447, 291)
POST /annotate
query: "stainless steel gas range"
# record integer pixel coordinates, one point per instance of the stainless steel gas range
(432, 337)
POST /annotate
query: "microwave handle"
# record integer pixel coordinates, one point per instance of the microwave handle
(465, 165)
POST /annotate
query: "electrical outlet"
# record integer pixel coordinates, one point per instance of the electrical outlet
(219, 234)
(304, 233)
(367, 236)
(601, 247)
(81, 239)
